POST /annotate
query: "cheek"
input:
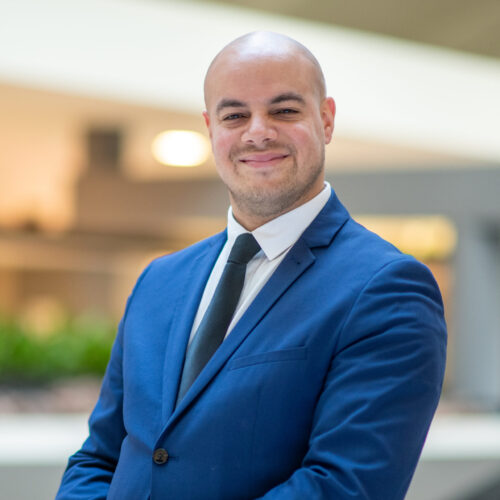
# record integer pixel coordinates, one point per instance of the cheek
(306, 142)
(222, 142)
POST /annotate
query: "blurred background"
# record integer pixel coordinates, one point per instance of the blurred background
(105, 164)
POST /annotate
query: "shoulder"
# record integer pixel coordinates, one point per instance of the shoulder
(363, 254)
(162, 270)
(173, 260)
(342, 245)
(368, 269)
(365, 244)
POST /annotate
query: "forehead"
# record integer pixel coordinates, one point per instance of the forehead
(260, 78)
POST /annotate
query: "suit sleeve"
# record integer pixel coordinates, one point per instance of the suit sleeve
(380, 392)
(90, 470)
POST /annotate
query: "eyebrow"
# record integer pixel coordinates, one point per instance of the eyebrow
(229, 103)
(288, 96)
(234, 103)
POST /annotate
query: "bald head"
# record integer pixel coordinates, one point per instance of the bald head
(265, 45)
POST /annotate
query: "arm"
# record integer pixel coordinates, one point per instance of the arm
(90, 470)
(380, 393)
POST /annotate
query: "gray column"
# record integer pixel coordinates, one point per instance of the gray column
(476, 313)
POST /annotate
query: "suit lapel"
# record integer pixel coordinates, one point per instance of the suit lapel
(191, 283)
(298, 260)
(294, 264)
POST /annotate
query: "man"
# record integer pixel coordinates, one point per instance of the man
(324, 380)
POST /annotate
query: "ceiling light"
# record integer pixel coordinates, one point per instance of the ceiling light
(181, 148)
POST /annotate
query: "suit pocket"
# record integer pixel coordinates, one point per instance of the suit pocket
(296, 353)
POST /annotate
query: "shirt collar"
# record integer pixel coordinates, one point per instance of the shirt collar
(278, 235)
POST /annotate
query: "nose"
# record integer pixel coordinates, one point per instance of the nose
(259, 131)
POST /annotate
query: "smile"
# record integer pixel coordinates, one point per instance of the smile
(263, 159)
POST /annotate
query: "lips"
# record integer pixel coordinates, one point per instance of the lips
(263, 158)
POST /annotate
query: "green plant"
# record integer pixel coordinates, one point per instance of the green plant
(76, 346)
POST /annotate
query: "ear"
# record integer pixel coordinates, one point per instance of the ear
(207, 123)
(328, 109)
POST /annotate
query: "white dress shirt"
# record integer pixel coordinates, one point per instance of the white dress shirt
(275, 238)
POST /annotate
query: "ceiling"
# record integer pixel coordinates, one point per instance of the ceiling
(462, 25)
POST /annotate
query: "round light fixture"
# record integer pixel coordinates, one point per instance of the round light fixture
(181, 148)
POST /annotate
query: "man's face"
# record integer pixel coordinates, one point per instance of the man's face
(268, 125)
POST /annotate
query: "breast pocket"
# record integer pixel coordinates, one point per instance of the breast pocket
(283, 355)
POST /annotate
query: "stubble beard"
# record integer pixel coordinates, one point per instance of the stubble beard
(270, 201)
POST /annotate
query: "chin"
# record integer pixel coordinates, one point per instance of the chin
(266, 203)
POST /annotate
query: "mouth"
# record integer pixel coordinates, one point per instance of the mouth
(259, 160)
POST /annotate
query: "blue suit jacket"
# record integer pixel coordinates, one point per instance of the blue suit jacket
(324, 389)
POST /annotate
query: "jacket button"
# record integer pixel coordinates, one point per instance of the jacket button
(160, 456)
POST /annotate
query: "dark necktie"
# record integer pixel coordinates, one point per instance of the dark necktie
(217, 318)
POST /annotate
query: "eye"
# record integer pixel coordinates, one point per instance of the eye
(233, 116)
(286, 111)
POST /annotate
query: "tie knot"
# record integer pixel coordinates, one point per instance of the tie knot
(244, 248)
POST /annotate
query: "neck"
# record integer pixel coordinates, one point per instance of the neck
(251, 220)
